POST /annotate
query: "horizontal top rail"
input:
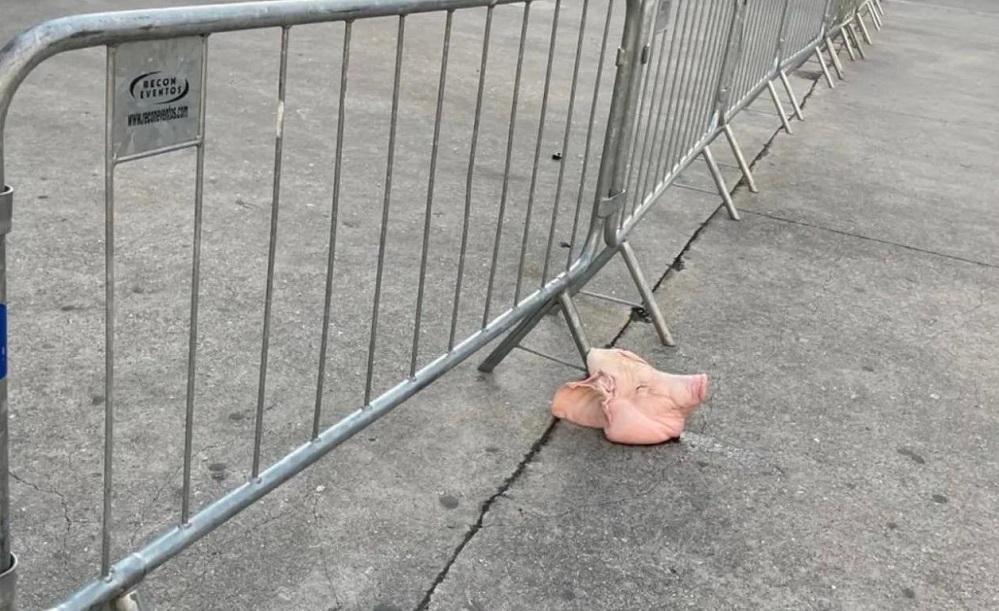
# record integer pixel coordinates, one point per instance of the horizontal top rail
(28, 49)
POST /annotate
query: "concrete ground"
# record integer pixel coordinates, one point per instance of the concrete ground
(845, 459)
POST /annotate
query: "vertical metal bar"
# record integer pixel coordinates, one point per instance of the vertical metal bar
(648, 298)
(677, 53)
(704, 50)
(192, 346)
(727, 22)
(109, 164)
(334, 215)
(744, 74)
(507, 164)
(781, 37)
(271, 254)
(645, 92)
(565, 141)
(700, 114)
(428, 215)
(589, 135)
(537, 154)
(679, 91)
(470, 176)
(5, 547)
(383, 239)
(688, 79)
(730, 60)
(642, 168)
(612, 181)
(8, 574)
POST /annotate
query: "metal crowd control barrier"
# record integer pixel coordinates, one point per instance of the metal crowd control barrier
(680, 71)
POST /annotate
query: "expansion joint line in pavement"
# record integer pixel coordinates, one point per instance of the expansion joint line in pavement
(538, 445)
(858, 236)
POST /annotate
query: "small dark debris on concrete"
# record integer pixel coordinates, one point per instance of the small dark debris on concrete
(640, 314)
(916, 458)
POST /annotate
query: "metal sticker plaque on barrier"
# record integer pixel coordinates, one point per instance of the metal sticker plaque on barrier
(157, 95)
(662, 16)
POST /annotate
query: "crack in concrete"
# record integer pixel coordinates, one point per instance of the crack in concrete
(484, 509)
(324, 559)
(65, 513)
(538, 445)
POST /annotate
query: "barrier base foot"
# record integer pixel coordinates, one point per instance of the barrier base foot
(125, 602)
(825, 68)
(790, 94)
(779, 106)
(8, 586)
(648, 299)
(834, 56)
(747, 174)
(716, 174)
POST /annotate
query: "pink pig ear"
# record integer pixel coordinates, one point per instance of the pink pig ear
(582, 403)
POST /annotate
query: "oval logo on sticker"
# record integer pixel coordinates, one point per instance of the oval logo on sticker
(157, 88)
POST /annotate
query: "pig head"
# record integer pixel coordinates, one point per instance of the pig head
(630, 400)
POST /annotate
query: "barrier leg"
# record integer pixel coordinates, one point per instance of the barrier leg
(879, 8)
(863, 29)
(747, 174)
(8, 561)
(845, 33)
(716, 174)
(790, 94)
(825, 68)
(126, 602)
(851, 29)
(574, 323)
(515, 336)
(648, 299)
(834, 56)
(780, 107)
(875, 17)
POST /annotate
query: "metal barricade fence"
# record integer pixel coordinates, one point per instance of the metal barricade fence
(644, 91)
(802, 33)
(843, 18)
(761, 37)
(690, 46)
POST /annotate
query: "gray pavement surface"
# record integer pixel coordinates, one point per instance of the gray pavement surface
(845, 459)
